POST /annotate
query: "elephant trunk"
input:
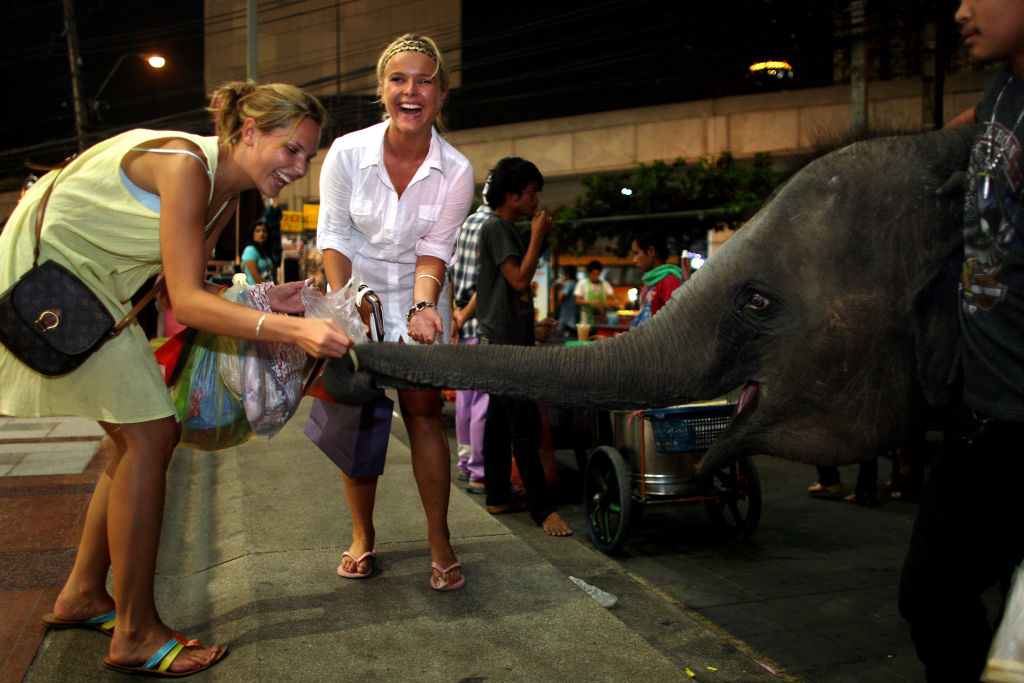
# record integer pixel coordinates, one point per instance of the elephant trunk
(651, 366)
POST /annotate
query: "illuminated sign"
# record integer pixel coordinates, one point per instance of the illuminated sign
(291, 221)
(300, 221)
(777, 69)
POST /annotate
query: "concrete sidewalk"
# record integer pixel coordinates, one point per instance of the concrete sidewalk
(252, 537)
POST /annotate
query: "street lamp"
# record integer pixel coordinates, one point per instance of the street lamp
(155, 61)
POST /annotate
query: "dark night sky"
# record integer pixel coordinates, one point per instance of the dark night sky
(536, 59)
(35, 67)
(553, 59)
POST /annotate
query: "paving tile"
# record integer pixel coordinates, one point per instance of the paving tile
(13, 608)
(65, 461)
(28, 569)
(21, 630)
(38, 522)
(73, 446)
(25, 428)
(78, 427)
(46, 458)
(8, 461)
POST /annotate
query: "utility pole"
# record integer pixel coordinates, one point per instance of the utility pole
(858, 67)
(71, 30)
(252, 62)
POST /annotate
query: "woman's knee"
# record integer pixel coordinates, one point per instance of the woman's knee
(420, 406)
(153, 438)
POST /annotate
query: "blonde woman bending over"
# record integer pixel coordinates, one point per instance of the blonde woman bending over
(125, 209)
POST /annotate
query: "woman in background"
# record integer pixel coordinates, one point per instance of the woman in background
(256, 262)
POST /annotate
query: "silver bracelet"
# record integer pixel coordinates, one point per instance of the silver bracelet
(259, 324)
(432, 277)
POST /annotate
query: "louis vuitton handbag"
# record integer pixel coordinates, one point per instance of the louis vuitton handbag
(50, 320)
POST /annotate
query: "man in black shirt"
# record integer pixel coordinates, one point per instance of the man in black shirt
(504, 301)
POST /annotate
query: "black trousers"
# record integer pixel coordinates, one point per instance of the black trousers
(513, 426)
(968, 536)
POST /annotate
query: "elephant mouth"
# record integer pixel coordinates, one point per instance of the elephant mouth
(748, 398)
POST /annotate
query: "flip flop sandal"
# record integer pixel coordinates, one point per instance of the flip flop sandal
(439, 584)
(159, 664)
(101, 624)
(369, 554)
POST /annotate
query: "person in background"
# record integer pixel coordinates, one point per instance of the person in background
(256, 262)
(568, 311)
(595, 296)
(504, 307)
(650, 255)
(125, 209)
(470, 405)
(392, 200)
(967, 535)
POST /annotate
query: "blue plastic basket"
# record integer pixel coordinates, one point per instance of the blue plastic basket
(688, 428)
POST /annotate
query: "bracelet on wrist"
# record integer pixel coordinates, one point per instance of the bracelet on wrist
(432, 277)
(419, 306)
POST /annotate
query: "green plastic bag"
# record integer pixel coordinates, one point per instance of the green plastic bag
(211, 416)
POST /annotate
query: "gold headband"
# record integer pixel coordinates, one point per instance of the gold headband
(409, 46)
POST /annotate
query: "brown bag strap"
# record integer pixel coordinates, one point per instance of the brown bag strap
(154, 290)
(41, 210)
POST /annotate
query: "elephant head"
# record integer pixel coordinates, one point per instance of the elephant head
(832, 311)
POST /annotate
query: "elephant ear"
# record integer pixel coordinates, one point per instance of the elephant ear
(935, 308)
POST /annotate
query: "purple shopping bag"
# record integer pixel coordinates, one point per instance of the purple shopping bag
(355, 438)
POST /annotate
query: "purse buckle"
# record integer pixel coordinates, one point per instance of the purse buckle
(48, 319)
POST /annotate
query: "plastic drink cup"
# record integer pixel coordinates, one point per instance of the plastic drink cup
(583, 331)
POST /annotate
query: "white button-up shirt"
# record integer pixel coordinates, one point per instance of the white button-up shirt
(362, 217)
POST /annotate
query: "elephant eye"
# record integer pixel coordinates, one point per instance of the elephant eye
(756, 301)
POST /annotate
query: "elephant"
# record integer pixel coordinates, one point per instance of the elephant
(832, 312)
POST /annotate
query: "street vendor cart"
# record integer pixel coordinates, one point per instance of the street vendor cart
(653, 459)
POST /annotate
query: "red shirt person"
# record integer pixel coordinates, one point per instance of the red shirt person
(660, 278)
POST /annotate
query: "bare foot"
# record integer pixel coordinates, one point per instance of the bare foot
(136, 651)
(554, 525)
(514, 506)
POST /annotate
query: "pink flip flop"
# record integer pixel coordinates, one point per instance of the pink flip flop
(369, 554)
(439, 584)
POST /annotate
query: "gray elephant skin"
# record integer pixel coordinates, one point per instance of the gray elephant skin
(832, 313)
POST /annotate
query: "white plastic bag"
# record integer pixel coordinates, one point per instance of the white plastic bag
(271, 377)
(338, 305)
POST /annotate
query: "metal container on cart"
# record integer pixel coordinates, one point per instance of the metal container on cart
(653, 459)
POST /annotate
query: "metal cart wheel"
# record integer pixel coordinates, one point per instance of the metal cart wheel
(738, 507)
(607, 498)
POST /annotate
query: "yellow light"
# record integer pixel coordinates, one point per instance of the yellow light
(156, 61)
(770, 66)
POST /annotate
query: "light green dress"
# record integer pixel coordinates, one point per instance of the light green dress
(95, 227)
